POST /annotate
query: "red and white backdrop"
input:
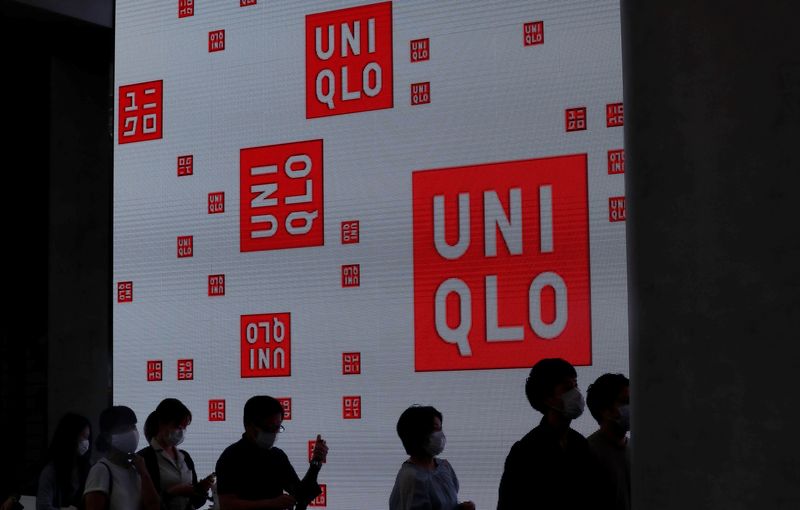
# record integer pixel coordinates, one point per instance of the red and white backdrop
(356, 207)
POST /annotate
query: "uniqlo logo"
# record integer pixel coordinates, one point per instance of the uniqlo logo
(322, 499)
(216, 41)
(185, 8)
(216, 202)
(185, 244)
(124, 292)
(266, 341)
(616, 209)
(286, 403)
(351, 275)
(281, 196)
(351, 407)
(349, 60)
(420, 50)
(246, 3)
(185, 165)
(216, 285)
(350, 232)
(140, 108)
(485, 299)
(311, 445)
(185, 369)
(216, 410)
(616, 162)
(614, 115)
(351, 363)
(420, 93)
(155, 370)
(576, 119)
(533, 33)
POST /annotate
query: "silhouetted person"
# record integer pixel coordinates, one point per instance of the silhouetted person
(608, 400)
(63, 478)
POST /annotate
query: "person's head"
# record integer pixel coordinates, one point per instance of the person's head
(420, 430)
(70, 446)
(263, 418)
(608, 399)
(118, 432)
(170, 419)
(552, 389)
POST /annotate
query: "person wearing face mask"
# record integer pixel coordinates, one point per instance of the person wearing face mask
(552, 466)
(424, 482)
(62, 480)
(608, 399)
(119, 481)
(253, 474)
(172, 470)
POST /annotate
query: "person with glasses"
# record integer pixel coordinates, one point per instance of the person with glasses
(253, 474)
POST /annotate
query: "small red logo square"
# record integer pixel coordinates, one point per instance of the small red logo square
(616, 162)
(185, 244)
(420, 50)
(576, 119)
(216, 410)
(351, 276)
(155, 370)
(351, 363)
(420, 93)
(286, 403)
(185, 165)
(322, 499)
(350, 232)
(351, 407)
(533, 33)
(185, 369)
(311, 445)
(216, 41)
(266, 341)
(216, 202)
(616, 209)
(245, 3)
(140, 112)
(124, 292)
(614, 115)
(185, 8)
(216, 285)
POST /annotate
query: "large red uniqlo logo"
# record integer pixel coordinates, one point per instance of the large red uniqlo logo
(349, 60)
(616, 209)
(185, 369)
(140, 108)
(575, 119)
(501, 264)
(614, 115)
(124, 292)
(185, 246)
(185, 8)
(216, 285)
(616, 162)
(216, 410)
(155, 370)
(281, 196)
(286, 403)
(322, 499)
(266, 341)
(533, 33)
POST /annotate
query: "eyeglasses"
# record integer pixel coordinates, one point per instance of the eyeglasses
(273, 430)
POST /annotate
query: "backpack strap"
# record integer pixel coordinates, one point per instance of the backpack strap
(110, 481)
(151, 463)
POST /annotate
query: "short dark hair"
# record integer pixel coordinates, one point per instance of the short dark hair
(111, 418)
(545, 375)
(259, 408)
(151, 426)
(602, 394)
(171, 411)
(414, 426)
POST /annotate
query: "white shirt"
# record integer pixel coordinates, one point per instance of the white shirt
(125, 485)
(172, 472)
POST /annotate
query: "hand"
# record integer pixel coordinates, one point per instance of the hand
(466, 505)
(320, 453)
(284, 501)
(205, 484)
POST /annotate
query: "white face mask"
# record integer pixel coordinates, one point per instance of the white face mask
(435, 444)
(126, 442)
(176, 437)
(83, 447)
(573, 403)
(624, 419)
(266, 439)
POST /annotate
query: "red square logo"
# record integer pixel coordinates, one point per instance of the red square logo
(420, 50)
(351, 363)
(349, 60)
(533, 33)
(322, 499)
(351, 276)
(246, 3)
(216, 41)
(576, 119)
(351, 407)
(266, 341)
(216, 202)
(286, 403)
(485, 299)
(185, 165)
(185, 244)
(155, 370)
(185, 8)
(216, 285)
(350, 232)
(185, 369)
(216, 410)
(420, 93)
(140, 112)
(311, 445)
(616, 209)
(616, 162)
(614, 115)
(281, 196)
(124, 292)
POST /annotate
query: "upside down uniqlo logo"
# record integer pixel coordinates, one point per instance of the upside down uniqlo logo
(139, 109)
(616, 209)
(216, 202)
(286, 403)
(216, 410)
(246, 3)
(322, 499)
(155, 370)
(501, 264)
(266, 341)
(349, 60)
(216, 41)
(575, 119)
(185, 245)
(216, 285)
(420, 93)
(420, 50)
(350, 232)
(124, 292)
(616, 162)
(614, 115)
(185, 165)
(311, 445)
(281, 196)
(351, 407)
(351, 363)
(533, 33)
(185, 8)
(185, 369)
(351, 275)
